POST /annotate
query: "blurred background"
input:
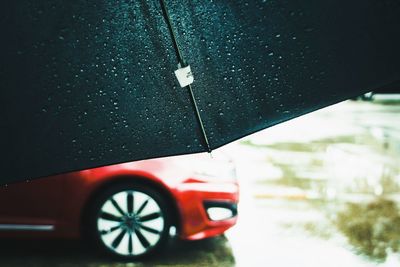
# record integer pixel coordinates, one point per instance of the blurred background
(320, 190)
(323, 189)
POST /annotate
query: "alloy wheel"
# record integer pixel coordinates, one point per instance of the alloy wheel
(130, 223)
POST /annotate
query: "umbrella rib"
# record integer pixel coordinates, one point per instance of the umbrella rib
(203, 130)
(172, 32)
(182, 63)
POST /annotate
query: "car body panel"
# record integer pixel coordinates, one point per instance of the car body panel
(61, 201)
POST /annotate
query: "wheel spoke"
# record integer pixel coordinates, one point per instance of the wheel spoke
(150, 217)
(117, 207)
(118, 239)
(148, 229)
(110, 217)
(130, 249)
(129, 202)
(112, 229)
(141, 208)
(142, 239)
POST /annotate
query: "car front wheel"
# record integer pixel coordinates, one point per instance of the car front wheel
(130, 221)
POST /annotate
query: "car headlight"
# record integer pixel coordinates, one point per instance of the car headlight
(204, 165)
(215, 169)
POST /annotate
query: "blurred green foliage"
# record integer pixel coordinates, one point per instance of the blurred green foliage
(372, 228)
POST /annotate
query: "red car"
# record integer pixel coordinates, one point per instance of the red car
(127, 210)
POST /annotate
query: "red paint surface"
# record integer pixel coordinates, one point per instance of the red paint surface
(61, 200)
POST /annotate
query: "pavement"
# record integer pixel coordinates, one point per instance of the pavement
(302, 183)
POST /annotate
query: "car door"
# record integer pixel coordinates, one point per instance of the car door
(31, 205)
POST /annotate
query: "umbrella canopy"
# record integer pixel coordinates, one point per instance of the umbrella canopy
(87, 83)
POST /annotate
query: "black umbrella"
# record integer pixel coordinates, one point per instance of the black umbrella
(87, 83)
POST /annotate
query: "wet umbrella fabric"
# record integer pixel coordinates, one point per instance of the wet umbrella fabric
(92, 83)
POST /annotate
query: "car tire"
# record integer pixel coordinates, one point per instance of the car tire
(129, 221)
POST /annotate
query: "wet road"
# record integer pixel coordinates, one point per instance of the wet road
(296, 179)
(61, 253)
